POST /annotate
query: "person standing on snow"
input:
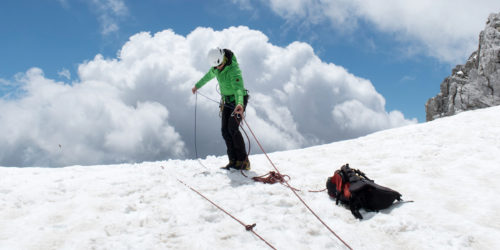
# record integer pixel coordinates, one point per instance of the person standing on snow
(234, 100)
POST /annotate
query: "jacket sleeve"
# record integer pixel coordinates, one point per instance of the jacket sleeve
(237, 83)
(208, 76)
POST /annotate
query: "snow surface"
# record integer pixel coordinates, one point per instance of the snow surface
(449, 167)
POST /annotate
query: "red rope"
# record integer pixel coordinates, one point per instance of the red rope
(317, 191)
(284, 181)
(273, 177)
(247, 227)
(291, 188)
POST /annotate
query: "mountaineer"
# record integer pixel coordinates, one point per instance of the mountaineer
(234, 98)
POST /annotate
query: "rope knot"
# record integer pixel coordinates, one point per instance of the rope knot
(250, 227)
(271, 178)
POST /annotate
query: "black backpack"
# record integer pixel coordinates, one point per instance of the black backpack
(354, 189)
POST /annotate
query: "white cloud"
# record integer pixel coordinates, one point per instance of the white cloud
(9, 89)
(88, 120)
(244, 4)
(408, 78)
(64, 73)
(139, 106)
(109, 13)
(354, 117)
(447, 30)
(4, 83)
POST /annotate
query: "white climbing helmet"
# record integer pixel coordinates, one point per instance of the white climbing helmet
(215, 56)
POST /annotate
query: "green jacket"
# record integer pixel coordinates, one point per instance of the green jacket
(229, 78)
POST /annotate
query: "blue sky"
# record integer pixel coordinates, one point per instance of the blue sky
(403, 50)
(55, 35)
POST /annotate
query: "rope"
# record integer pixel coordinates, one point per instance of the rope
(195, 122)
(279, 176)
(317, 191)
(247, 227)
(272, 178)
(248, 141)
(293, 190)
(206, 96)
(235, 117)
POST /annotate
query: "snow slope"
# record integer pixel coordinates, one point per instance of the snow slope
(449, 167)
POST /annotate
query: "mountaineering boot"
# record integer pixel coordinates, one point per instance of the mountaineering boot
(245, 165)
(231, 164)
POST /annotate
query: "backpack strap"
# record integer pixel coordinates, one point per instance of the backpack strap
(341, 191)
(354, 206)
(360, 173)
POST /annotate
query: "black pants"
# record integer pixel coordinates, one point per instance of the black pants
(231, 133)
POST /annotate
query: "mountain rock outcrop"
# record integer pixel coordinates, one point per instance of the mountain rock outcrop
(474, 85)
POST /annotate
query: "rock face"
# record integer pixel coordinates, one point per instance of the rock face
(474, 85)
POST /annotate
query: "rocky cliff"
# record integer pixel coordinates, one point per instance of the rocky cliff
(473, 85)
